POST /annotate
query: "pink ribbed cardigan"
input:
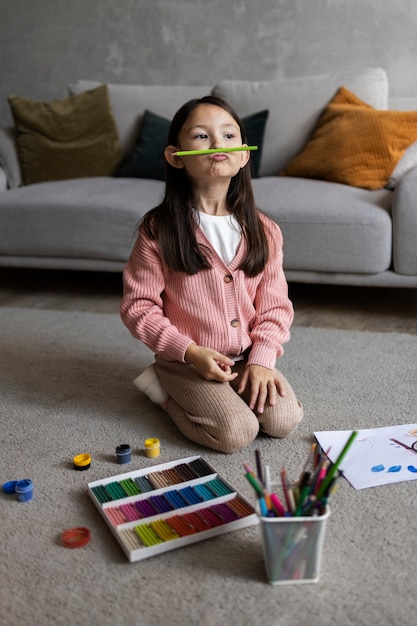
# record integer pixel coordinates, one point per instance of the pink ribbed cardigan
(220, 308)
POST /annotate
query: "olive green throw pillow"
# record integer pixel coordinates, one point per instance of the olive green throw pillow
(72, 138)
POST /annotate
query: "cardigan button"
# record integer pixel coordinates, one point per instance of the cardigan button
(228, 278)
(234, 323)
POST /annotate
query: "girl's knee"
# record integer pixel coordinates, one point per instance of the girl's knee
(238, 435)
(227, 432)
(281, 423)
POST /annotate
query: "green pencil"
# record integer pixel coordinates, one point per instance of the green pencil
(333, 468)
(213, 151)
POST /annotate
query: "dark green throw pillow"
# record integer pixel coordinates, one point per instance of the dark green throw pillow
(255, 129)
(147, 159)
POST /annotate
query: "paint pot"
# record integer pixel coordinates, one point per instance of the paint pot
(82, 462)
(9, 487)
(76, 537)
(123, 453)
(152, 447)
(24, 490)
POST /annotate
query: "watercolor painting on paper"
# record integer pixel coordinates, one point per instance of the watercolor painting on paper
(378, 456)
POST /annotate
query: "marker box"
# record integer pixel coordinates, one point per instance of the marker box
(293, 548)
(167, 506)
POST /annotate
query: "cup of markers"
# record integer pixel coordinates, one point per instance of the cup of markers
(293, 516)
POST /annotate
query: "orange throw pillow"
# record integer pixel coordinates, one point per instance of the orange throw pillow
(355, 144)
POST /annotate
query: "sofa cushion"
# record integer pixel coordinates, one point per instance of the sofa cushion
(82, 219)
(329, 227)
(3, 180)
(355, 144)
(9, 160)
(71, 138)
(404, 225)
(407, 163)
(129, 102)
(147, 160)
(295, 105)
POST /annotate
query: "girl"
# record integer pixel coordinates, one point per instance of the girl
(204, 289)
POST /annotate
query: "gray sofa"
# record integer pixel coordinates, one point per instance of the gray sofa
(333, 233)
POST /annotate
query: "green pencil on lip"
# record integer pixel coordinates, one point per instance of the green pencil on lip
(213, 151)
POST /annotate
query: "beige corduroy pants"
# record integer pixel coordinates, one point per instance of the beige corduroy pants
(214, 415)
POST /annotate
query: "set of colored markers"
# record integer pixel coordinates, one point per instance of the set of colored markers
(309, 495)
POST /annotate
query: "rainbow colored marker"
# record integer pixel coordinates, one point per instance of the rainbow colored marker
(213, 151)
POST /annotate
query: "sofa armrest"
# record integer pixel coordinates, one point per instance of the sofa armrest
(404, 224)
(9, 159)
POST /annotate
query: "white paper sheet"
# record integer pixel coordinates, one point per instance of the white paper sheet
(373, 458)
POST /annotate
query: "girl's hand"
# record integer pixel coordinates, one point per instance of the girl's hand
(264, 385)
(210, 364)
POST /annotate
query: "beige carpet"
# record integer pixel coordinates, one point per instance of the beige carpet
(66, 388)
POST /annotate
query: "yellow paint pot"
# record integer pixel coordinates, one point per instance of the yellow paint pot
(82, 462)
(152, 447)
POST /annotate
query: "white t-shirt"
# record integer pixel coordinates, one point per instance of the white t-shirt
(223, 232)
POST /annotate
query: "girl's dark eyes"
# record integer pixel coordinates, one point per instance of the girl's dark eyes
(205, 136)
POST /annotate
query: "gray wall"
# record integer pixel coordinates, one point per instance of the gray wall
(46, 44)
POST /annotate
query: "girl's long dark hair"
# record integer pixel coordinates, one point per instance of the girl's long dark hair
(173, 223)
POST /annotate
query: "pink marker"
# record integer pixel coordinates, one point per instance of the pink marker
(277, 504)
(321, 477)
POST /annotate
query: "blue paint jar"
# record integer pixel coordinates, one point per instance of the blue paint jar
(24, 490)
(10, 487)
(123, 453)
